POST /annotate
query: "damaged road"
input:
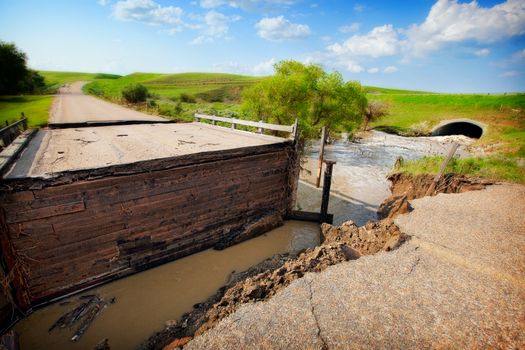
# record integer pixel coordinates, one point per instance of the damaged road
(457, 283)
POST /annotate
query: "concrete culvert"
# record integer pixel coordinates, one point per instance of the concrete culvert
(459, 127)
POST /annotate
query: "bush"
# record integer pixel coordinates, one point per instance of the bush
(135, 93)
(184, 97)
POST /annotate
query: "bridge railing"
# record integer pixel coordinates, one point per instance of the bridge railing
(260, 125)
(9, 133)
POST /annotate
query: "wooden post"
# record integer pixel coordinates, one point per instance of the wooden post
(453, 149)
(260, 130)
(234, 125)
(327, 183)
(321, 156)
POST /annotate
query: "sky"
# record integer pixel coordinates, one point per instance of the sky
(443, 45)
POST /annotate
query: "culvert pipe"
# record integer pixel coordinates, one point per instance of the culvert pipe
(465, 127)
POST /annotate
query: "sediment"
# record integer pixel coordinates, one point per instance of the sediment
(340, 243)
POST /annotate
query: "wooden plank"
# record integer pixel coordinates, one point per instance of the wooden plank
(39, 213)
(234, 121)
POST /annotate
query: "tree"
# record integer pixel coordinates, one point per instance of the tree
(308, 93)
(375, 110)
(15, 77)
(135, 93)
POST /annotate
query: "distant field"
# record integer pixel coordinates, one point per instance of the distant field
(34, 107)
(208, 87)
(54, 80)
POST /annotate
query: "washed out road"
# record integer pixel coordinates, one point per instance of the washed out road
(72, 106)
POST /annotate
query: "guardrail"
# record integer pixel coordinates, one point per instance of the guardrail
(260, 125)
(9, 133)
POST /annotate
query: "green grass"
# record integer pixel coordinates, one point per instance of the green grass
(494, 167)
(34, 107)
(203, 86)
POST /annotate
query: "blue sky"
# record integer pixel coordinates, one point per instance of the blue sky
(445, 45)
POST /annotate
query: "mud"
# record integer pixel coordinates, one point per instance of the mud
(340, 243)
(405, 187)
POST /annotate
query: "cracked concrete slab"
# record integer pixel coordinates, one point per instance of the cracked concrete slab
(450, 286)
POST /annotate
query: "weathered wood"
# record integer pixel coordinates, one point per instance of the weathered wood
(321, 157)
(81, 229)
(235, 121)
(450, 155)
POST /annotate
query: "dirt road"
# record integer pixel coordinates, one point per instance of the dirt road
(72, 106)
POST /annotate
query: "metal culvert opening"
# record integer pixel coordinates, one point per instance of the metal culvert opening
(459, 128)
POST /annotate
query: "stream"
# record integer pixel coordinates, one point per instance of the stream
(144, 302)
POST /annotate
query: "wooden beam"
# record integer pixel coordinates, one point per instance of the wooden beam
(235, 121)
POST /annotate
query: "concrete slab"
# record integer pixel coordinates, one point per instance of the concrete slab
(452, 286)
(57, 150)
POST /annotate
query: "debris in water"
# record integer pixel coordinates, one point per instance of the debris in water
(84, 314)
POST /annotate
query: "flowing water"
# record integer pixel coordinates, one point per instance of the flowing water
(359, 182)
(145, 301)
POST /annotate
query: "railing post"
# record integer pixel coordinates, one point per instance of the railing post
(24, 123)
(234, 125)
(260, 130)
(327, 183)
(321, 157)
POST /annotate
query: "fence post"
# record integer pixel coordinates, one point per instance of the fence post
(434, 183)
(260, 130)
(327, 183)
(234, 126)
(321, 157)
(24, 123)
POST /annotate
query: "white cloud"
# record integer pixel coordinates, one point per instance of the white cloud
(244, 4)
(214, 25)
(264, 68)
(509, 74)
(449, 21)
(359, 8)
(373, 70)
(519, 55)
(147, 11)
(279, 28)
(353, 67)
(354, 27)
(390, 69)
(381, 41)
(482, 52)
(103, 2)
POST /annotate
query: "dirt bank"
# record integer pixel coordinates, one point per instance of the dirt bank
(405, 187)
(340, 243)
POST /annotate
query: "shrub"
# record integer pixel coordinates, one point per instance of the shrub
(135, 93)
(184, 97)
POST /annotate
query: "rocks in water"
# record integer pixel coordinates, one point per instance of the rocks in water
(103, 345)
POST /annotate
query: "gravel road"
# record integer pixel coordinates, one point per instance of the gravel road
(458, 283)
(72, 106)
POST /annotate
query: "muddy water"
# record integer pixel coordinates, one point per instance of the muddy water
(145, 301)
(359, 182)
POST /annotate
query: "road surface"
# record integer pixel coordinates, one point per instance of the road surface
(458, 283)
(72, 106)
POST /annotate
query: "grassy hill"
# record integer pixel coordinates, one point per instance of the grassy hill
(207, 87)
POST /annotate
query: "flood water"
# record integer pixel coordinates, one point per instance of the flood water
(359, 182)
(145, 301)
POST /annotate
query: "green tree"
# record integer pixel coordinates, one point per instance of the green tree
(308, 93)
(15, 77)
(135, 93)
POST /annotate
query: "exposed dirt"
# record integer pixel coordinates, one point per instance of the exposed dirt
(342, 243)
(405, 187)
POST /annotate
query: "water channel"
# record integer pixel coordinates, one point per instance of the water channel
(145, 301)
